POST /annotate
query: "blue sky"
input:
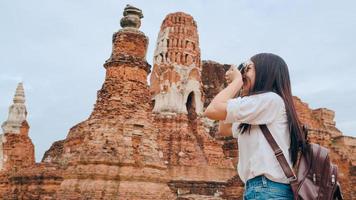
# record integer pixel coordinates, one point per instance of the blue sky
(57, 48)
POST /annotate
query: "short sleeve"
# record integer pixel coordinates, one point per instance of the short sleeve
(255, 109)
(234, 129)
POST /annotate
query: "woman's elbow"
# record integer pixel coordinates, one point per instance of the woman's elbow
(211, 113)
(214, 114)
(208, 113)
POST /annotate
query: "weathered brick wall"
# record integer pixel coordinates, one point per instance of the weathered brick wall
(53, 155)
(18, 152)
(41, 181)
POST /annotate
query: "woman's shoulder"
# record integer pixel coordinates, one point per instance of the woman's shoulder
(260, 108)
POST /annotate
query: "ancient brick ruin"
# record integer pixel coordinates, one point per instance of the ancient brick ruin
(148, 141)
(17, 150)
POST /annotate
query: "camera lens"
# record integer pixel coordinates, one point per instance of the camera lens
(241, 68)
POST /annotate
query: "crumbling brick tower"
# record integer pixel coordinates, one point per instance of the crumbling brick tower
(175, 80)
(16, 148)
(177, 100)
(114, 153)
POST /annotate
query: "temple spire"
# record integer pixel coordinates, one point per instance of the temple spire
(19, 94)
(17, 112)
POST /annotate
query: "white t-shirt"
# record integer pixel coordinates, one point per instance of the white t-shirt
(256, 157)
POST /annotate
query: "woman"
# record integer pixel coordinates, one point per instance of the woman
(265, 98)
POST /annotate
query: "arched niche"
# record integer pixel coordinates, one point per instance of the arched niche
(191, 106)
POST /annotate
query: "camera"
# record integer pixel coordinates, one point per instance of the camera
(241, 68)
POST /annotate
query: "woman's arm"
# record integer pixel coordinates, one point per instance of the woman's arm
(217, 108)
(225, 129)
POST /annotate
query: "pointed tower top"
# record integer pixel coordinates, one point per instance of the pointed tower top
(132, 17)
(19, 94)
(17, 112)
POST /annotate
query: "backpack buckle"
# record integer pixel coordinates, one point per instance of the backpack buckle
(293, 178)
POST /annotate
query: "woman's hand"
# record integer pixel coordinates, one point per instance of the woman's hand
(233, 74)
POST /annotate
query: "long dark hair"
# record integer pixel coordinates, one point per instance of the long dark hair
(272, 75)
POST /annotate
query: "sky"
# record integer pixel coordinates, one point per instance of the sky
(58, 48)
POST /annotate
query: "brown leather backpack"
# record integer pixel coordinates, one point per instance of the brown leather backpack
(316, 177)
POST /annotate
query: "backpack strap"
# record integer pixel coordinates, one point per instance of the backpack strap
(279, 154)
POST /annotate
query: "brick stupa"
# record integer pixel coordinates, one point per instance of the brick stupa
(114, 153)
(177, 97)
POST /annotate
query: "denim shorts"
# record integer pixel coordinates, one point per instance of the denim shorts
(260, 187)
